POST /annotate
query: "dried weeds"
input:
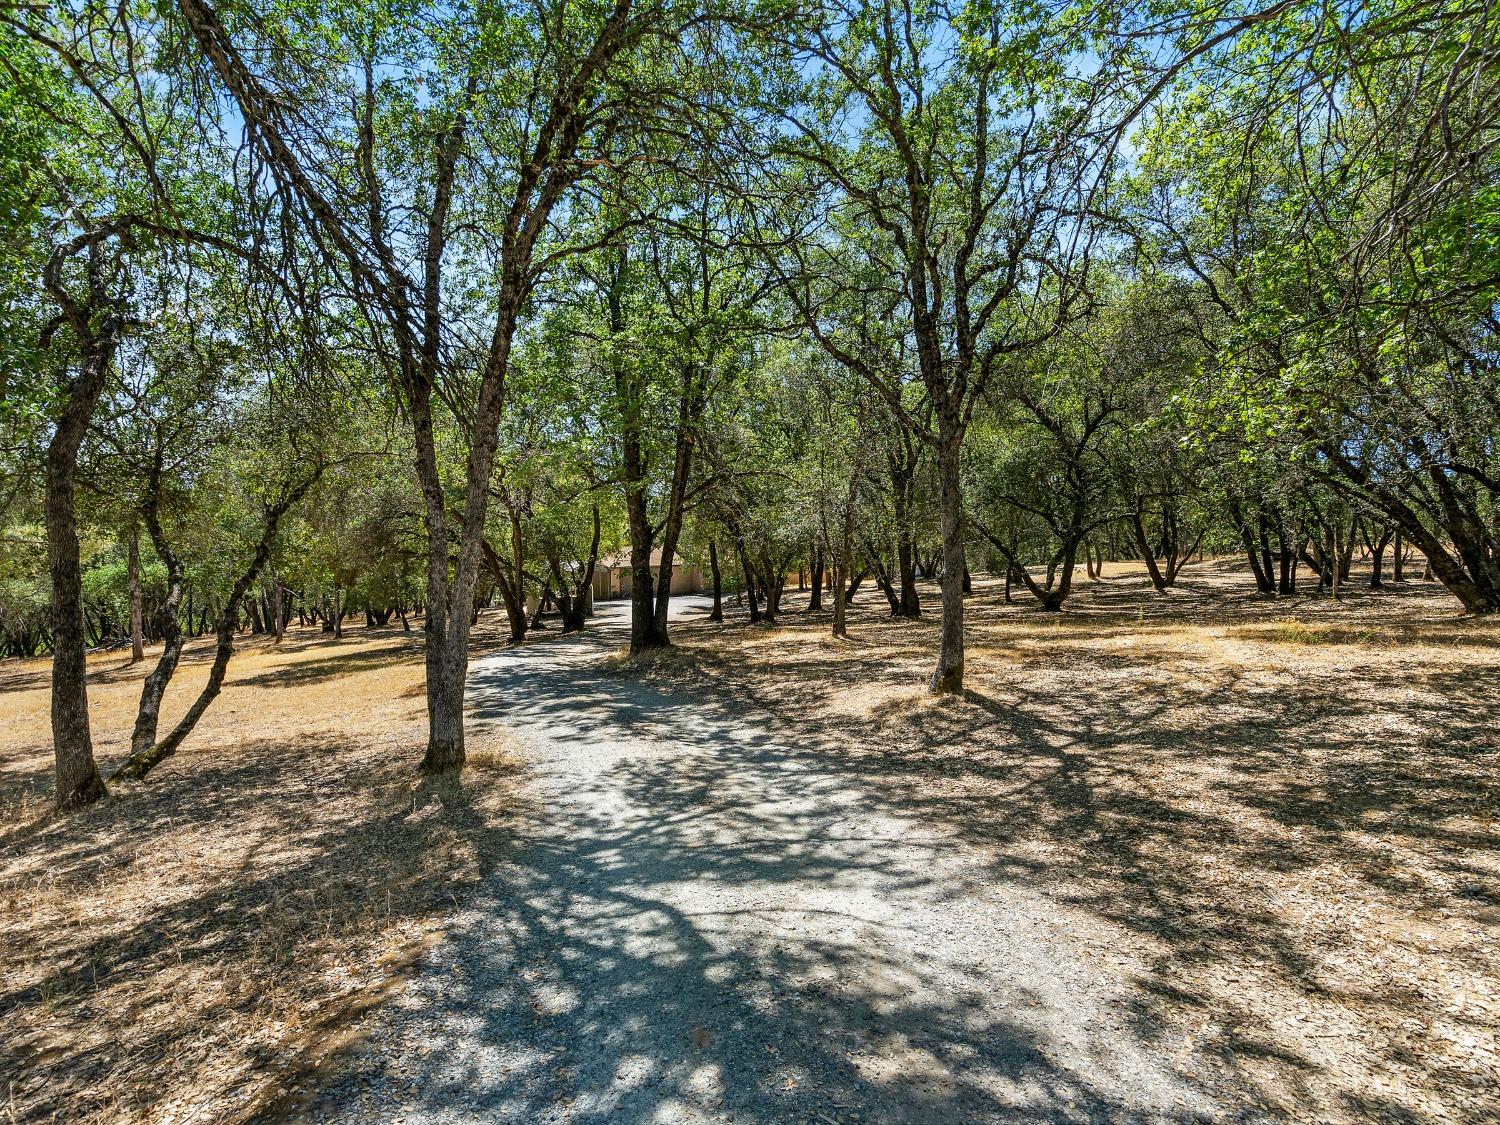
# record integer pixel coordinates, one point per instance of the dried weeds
(190, 948)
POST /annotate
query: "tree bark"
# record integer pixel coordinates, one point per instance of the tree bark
(1148, 556)
(815, 598)
(717, 613)
(137, 625)
(148, 710)
(78, 780)
(142, 761)
(948, 675)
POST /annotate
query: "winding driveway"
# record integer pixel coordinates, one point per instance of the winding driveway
(705, 921)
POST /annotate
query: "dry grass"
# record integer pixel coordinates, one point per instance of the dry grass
(190, 948)
(1287, 806)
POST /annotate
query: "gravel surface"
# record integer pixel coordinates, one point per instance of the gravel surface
(702, 922)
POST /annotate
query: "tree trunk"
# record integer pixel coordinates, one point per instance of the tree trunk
(739, 546)
(840, 569)
(78, 780)
(717, 613)
(883, 579)
(148, 710)
(910, 602)
(143, 759)
(815, 599)
(1265, 581)
(948, 676)
(1148, 556)
(137, 625)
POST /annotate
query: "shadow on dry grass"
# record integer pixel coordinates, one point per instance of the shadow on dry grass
(1287, 807)
(188, 948)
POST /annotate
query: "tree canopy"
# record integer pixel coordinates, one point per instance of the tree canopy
(407, 310)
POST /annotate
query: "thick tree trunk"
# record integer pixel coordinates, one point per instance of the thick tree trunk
(78, 780)
(1148, 556)
(815, 599)
(948, 676)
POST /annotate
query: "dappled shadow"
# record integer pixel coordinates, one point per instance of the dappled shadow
(706, 921)
(1207, 808)
(339, 664)
(254, 907)
(1124, 877)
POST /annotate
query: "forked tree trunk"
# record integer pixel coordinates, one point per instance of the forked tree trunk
(750, 592)
(148, 710)
(144, 760)
(1148, 556)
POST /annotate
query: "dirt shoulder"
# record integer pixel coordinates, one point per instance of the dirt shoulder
(187, 949)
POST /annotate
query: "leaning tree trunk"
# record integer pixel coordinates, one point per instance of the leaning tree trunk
(1148, 555)
(142, 761)
(148, 711)
(948, 676)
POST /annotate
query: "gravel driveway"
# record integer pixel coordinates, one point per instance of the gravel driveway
(703, 922)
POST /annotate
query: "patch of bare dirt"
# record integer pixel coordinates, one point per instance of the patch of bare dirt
(190, 948)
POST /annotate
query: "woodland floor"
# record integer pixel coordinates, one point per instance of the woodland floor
(188, 949)
(1195, 857)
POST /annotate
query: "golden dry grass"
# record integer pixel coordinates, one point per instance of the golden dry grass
(188, 949)
(1288, 805)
